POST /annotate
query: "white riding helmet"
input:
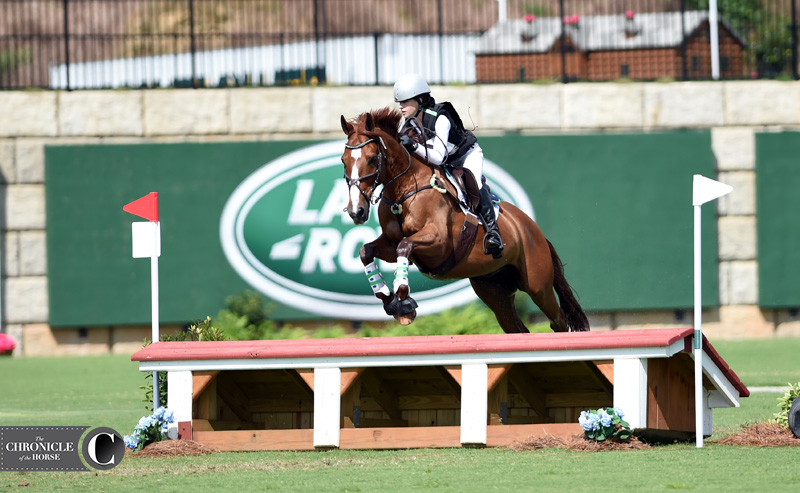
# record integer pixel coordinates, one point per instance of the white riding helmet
(410, 86)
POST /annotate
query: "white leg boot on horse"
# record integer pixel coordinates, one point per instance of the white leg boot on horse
(398, 304)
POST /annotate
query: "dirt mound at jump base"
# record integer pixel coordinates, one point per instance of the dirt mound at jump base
(763, 435)
(174, 448)
(577, 442)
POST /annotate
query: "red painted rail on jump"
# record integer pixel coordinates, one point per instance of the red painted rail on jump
(418, 345)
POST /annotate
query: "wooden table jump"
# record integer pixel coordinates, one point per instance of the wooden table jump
(434, 391)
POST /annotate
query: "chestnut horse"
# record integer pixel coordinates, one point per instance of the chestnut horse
(421, 225)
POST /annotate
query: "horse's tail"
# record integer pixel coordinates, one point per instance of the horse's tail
(575, 318)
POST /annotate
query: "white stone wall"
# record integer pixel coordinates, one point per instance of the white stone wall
(733, 111)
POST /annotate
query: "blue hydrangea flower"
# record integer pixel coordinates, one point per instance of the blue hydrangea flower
(159, 413)
(619, 412)
(589, 421)
(131, 441)
(169, 416)
(164, 427)
(604, 417)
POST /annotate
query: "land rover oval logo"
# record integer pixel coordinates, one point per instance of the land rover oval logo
(285, 233)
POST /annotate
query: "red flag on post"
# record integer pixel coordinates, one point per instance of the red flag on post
(146, 207)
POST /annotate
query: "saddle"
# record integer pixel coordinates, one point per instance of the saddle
(465, 181)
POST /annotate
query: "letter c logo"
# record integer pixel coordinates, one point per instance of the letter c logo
(103, 448)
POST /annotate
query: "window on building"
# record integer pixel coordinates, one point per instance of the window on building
(623, 70)
(695, 63)
(725, 63)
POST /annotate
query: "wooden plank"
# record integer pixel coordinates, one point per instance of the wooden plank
(501, 436)
(527, 420)
(600, 377)
(498, 400)
(579, 399)
(220, 425)
(670, 395)
(414, 402)
(327, 407)
(606, 367)
(399, 438)
(496, 372)
(630, 390)
(382, 423)
(240, 440)
(351, 398)
(474, 403)
(451, 383)
(206, 406)
(307, 374)
(349, 376)
(229, 391)
(302, 384)
(455, 372)
(201, 380)
(277, 405)
(530, 389)
(383, 395)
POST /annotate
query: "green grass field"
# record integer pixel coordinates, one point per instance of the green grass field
(104, 391)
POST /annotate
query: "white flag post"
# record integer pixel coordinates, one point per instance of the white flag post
(703, 190)
(147, 243)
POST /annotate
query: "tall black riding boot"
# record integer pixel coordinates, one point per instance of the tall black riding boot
(492, 243)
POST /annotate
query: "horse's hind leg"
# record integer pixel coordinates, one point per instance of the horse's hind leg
(497, 291)
(546, 300)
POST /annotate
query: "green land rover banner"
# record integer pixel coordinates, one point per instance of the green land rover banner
(268, 216)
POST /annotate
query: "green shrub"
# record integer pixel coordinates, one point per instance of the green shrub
(200, 330)
(785, 403)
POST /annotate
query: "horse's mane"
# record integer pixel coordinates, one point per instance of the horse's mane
(386, 119)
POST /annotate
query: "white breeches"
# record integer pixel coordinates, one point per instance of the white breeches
(474, 163)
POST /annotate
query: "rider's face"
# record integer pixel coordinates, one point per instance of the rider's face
(409, 108)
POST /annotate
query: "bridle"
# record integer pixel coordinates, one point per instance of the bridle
(395, 206)
(377, 173)
(355, 182)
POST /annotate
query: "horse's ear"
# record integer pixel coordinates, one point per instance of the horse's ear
(346, 126)
(369, 124)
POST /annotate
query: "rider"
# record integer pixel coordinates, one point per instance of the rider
(447, 142)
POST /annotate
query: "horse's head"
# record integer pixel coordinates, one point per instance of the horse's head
(364, 160)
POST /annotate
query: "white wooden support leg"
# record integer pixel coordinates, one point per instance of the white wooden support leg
(327, 407)
(708, 422)
(630, 390)
(474, 403)
(179, 399)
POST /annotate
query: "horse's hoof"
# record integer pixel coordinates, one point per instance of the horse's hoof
(406, 319)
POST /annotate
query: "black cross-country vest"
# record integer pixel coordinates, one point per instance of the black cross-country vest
(460, 137)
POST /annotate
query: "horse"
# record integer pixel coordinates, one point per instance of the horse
(421, 222)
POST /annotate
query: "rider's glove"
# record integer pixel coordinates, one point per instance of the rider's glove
(406, 142)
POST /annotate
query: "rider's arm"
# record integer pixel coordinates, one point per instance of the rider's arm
(438, 152)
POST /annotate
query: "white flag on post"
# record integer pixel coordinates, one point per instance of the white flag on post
(705, 190)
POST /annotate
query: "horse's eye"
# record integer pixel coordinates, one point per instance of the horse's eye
(373, 161)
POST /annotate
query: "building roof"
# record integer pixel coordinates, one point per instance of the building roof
(595, 33)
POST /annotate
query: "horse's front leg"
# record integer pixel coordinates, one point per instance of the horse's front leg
(426, 243)
(383, 249)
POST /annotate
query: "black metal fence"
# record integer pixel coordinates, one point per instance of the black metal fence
(83, 44)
